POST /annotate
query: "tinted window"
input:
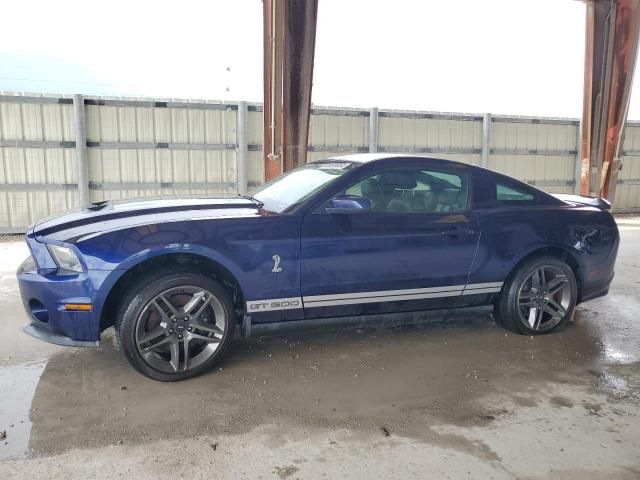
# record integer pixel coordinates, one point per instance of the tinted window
(510, 194)
(413, 191)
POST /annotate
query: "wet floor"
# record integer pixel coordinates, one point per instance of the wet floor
(18, 385)
(432, 399)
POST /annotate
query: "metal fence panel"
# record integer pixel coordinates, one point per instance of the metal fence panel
(147, 147)
(447, 136)
(553, 173)
(313, 156)
(348, 132)
(627, 198)
(628, 190)
(525, 134)
(255, 167)
(538, 151)
(182, 146)
(31, 168)
(632, 137)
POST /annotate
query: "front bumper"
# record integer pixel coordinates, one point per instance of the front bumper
(44, 297)
(37, 331)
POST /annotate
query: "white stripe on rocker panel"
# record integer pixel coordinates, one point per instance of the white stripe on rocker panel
(388, 298)
(478, 291)
(384, 293)
(484, 285)
(266, 305)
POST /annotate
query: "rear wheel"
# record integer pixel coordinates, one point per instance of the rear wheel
(174, 326)
(539, 298)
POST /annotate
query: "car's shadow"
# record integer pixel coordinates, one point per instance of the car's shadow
(406, 377)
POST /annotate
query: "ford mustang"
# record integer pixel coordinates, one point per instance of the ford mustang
(357, 236)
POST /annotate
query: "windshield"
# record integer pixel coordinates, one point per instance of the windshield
(293, 187)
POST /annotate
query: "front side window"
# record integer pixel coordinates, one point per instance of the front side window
(413, 191)
(294, 187)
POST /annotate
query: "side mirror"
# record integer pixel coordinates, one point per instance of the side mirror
(349, 204)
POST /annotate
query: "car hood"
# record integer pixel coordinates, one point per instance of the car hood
(114, 215)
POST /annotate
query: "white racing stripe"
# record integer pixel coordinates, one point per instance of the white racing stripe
(473, 286)
(477, 291)
(372, 297)
(380, 298)
(478, 288)
(384, 293)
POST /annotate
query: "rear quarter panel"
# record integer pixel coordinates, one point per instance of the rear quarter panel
(511, 234)
(507, 236)
(592, 236)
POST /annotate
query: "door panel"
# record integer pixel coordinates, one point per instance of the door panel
(378, 261)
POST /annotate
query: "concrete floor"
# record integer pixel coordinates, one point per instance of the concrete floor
(462, 400)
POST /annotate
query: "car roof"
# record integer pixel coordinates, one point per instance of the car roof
(372, 157)
(366, 157)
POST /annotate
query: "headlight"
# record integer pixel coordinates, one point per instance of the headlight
(28, 266)
(65, 257)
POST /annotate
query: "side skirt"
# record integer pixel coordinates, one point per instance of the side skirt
(476, 313)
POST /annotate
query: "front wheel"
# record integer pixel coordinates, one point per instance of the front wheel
(539, 298)
(173, 326)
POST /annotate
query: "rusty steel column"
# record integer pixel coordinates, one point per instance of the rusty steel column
(289, 47)
(610, 55)
(300, 43)
(273, 33)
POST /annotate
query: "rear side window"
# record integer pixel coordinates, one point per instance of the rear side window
(491, 192)
(510, 194)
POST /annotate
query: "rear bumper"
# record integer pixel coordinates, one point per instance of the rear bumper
(595, 291)
(597, 277)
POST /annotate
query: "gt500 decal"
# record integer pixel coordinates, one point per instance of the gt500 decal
(274, 304)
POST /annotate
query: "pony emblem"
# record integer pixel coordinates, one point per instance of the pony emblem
(276, 264)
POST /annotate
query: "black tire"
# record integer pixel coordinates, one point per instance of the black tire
(138, 300)
(519, 297)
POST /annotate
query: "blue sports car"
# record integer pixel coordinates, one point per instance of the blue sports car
(356, 235)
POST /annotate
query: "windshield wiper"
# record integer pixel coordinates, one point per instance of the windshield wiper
(258, 203)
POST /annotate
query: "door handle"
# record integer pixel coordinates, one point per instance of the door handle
(455, 232)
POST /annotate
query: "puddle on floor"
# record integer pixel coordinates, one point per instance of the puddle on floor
(17, 388)
(613, 320)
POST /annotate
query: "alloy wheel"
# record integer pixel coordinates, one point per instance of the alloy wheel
(180, 328)
(544, 298)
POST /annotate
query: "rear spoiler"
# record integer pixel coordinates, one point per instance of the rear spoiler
(601, 203)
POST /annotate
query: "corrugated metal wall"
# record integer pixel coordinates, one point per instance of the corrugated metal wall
(335, 131)
(450, 136)
(542, 151)
(255, 168)
(24, 171)
(143, 147)
(628, 190)
(188, 159)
